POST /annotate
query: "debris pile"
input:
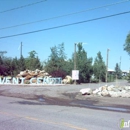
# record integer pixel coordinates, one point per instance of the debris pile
(108, 91)
(28, 74)
(67, 80)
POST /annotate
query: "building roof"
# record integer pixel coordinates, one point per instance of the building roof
(110, 70)
(125, 71)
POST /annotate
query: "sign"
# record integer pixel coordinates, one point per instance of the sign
(75, 74)
(45, 80)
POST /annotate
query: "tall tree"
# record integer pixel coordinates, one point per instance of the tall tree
(21, 63)
(84, 64)
(127, 44)
(68, 66)
(1, 61)
(52, 63)
(61, 56)
(32, 54)
(33, 62)
(99, 68)
(6, 66)
(2, 67)
(15, 66)
(56, 64)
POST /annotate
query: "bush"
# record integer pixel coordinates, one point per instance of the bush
(71, 81)
(111, 78)
(94, 80)
(128, 78)
(58, 73)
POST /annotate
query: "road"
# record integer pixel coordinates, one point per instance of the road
(23, 114)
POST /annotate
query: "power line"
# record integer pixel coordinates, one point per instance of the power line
(22, 6)
(65, 25)
(64, 15)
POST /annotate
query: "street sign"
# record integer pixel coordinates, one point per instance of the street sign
(75, 74)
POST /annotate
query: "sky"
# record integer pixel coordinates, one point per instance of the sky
(97, 35)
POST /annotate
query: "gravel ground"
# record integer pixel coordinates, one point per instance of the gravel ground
(64, 94)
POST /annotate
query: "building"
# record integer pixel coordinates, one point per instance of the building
(125, 73)
(111, 71)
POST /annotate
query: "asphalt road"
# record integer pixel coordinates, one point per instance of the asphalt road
(23, 114)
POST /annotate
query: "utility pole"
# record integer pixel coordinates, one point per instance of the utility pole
(107, 64)
(75, 59)
(120, 62)
(21, 49)
(75, 56)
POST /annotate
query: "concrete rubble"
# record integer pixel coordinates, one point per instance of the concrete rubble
(108, 91)
(28, 74)
(67, 80)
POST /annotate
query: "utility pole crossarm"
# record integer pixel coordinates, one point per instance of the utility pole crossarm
(75, 56)
(21, 50)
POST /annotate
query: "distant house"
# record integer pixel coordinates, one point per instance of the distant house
(125, 72)
(111, 71)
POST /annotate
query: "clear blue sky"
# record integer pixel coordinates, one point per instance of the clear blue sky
(99, 35)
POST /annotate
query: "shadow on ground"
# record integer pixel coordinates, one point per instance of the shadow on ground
(89, 103)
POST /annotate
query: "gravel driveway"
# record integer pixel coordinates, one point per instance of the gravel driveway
(64, 94)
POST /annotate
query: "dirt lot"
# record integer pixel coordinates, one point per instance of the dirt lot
(66, 95)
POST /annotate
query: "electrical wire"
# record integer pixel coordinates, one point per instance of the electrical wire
(64, 15)
(65, 25)
(22, 6)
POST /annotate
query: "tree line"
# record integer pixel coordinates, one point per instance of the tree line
(12, 66)
(127, 49)
(58, 65)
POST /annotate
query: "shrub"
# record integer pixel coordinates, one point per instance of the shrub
(58, 73)
(94, 80)
(128, 78)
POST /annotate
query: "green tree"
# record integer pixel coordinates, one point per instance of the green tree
(99, 68)
(128, 77)
(32, 54)
(6, 66)
(84, 64)
(3, 68)
(52, 63)
(33, 62)
(15, 66)
(21, 63)
(61, 57)
(68, 66)
(118, 71)
(56, 65)
(1, 61)
(127, 44)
